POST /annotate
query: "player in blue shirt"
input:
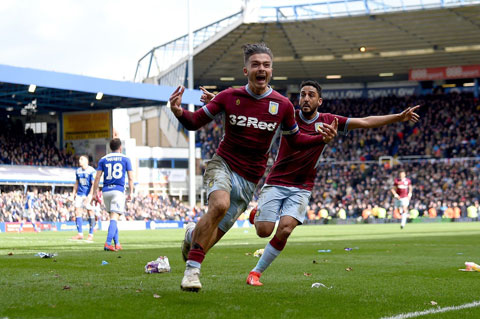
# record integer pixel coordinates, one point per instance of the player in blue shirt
(29, 210)
(114, 167)
(85, 175)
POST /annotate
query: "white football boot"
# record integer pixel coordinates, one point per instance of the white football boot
(191, 280)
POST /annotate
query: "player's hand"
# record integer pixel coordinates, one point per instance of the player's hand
(96, 199)
(329, 131)
(206, 96)
(176, 101)
(409, 114)
(129, 197)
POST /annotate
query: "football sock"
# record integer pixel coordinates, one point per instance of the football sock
(91, 220)
(115, 238)
(21, 227)
(271, 251)
(34, 226)
(195, 256)
(112, 228)
(79, 222)
(404, 219)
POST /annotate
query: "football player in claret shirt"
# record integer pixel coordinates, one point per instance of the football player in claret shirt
(114, 167)
(402, 191)
(288, 186)
(85, 175)
(253, 115)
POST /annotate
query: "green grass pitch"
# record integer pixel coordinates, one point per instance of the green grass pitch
(392, 272)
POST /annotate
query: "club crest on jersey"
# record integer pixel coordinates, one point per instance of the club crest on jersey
(318, 126)
(237, 102)
(273, 108)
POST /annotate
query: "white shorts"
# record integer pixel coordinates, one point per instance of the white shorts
(114, 202)
(277, 201)
(402, 202)
(81, 202)
(219, 176)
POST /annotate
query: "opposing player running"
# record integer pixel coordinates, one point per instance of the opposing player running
(288, 187)
(114, 166)
(253, 113)
(85, 175)
(402, 191)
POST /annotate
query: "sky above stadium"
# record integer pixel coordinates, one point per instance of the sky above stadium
(100, 38)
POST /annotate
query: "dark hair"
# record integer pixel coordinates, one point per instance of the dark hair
(255, 48)
(115, 144)
(314, 84)
(83, 156)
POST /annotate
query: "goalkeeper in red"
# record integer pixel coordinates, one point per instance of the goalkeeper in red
(288, 187)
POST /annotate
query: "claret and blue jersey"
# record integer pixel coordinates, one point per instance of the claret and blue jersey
(85, 178)
(114, 167)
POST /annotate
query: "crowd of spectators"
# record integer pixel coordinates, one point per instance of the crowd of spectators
(22, 147)
(59, 207)
(341, 190)
(448, 128)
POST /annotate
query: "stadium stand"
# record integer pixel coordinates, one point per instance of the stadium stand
(22, 147)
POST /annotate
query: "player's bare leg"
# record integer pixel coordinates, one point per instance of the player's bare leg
(204, 234)
(273, 248)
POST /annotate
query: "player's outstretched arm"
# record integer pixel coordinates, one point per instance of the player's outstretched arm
(377, 121)
(95, 186)
(192, 121)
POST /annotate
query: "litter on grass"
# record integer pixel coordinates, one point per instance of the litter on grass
(471, 266)
(104, 262)
(46, 255)
(258, 253)
(324, 250)
(158, 266)
(319, 284)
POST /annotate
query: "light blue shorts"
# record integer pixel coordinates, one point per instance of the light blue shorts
(277, 201)
(402, 202)
(219, 176)
(114, 202)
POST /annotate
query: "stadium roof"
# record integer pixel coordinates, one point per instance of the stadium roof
(324, 38)
(61, 92)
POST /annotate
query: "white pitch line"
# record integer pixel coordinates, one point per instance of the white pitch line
(438, 310)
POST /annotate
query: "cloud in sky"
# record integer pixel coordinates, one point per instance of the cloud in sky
(101, 38)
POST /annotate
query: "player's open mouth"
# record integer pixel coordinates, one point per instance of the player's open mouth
(261, 78)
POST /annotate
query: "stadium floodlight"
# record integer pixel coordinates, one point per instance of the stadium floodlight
(52, 113)
(461, 48)
(357, 56)
(9, 109)
(227, 78)
(385, 74)
(280, 78)
(449, 85)
(284, 58)
(469, 84)
(32, 88)
(328, 57)
(362, 49)
(99, 96)
(209, 87)
(390, 54)
(333, 76)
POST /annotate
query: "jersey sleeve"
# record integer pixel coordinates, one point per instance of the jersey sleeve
(342, 122)
(289, 125)
(192, 121)
(101, 165)
(128, 164)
